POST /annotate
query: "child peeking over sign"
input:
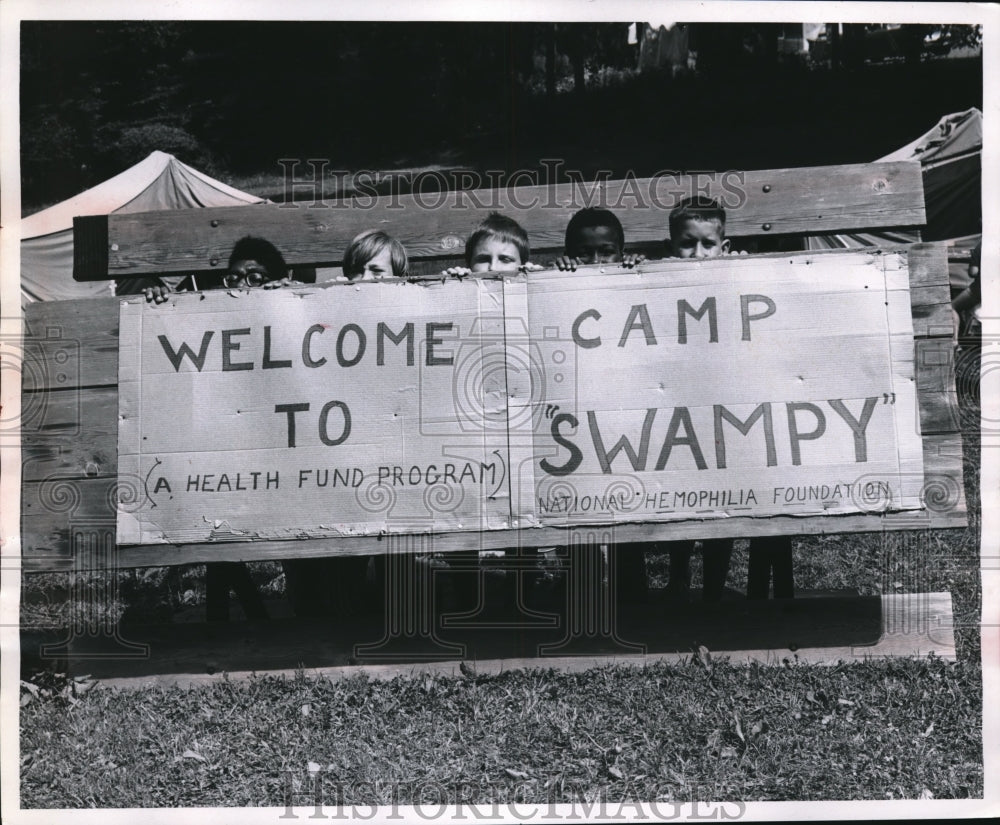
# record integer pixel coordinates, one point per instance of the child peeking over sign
(498, 244)
(698, 230)
(315, 587)
(595, 236)
(254, 262)
(374, 255)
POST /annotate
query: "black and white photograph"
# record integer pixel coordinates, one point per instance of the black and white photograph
(525, 412)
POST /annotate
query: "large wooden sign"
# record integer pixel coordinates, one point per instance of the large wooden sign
(737, 387)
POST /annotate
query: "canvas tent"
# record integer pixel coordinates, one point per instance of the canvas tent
(950, 155)
(158, 182)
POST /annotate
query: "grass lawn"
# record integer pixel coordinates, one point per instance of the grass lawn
(894, 729)
(898, 730)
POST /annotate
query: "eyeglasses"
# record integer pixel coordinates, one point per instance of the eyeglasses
(252, 278)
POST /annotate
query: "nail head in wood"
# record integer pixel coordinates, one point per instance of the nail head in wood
(767, 227)
(767, 187)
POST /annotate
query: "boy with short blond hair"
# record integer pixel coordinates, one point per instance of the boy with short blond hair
(697, 229)
(498, 244)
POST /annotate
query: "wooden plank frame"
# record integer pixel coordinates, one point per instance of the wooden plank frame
(433, 227)
(69, 447)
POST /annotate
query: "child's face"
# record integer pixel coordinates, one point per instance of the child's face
(246, 273)
(596, 245)
(495, 255)
(378, 267)
(700, 239)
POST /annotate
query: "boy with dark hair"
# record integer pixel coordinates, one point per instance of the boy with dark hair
(315, 587)
(253, 262)
(595, 236)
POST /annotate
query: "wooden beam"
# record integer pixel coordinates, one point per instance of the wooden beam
(90, 247)
(70, 434)
(930, 290)
(70, 344)
(813, 200)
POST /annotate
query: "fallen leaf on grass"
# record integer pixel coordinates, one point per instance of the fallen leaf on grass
(844, 702)
(617, 774)
(929, 731)
(190, 754)
(83, 686)
(513, 774)
(739, 727)
(727, 752)
(306, 710)
(926, 794)
(26, 699)
(313, 767)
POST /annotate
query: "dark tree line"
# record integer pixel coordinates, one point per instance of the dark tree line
(234, 97)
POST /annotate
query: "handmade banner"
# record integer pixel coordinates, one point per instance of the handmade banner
(251, 414)
(723, 387)
(682, 390)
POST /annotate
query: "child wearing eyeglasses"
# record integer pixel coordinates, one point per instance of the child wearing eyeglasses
(254, 262)
(315, 587)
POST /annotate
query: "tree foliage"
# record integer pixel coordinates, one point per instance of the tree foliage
(235, 97)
